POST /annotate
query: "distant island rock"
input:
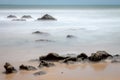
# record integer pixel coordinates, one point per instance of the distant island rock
(26, 16)
(47, 17)
(11, 16)
(41, 33)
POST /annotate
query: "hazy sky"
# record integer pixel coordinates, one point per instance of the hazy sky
(61, 2)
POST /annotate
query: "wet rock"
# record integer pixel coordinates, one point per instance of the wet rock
(52, 57)
(70, 59)
(41, 33)
(26, 16)
(82, 56)
(45, 64)
(70, 36)
(99, 55)
(28, 68)
(39, 73)
(9, 68)
(46, 17)
(11, 16)
(44, 40)
(19, 20)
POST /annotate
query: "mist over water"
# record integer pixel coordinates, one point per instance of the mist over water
(94, 29)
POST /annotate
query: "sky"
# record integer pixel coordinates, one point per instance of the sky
(60, 2)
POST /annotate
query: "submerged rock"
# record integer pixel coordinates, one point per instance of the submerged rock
(82, 56)
(39, 73)
(46, 17)
(44, 40)
(52, 57)
(45, 64)
(41, 33)
(99, 55)
(70, 36)
(24, 67)
(9, 68)
(11, 16)
(19, 20)
(26, 16)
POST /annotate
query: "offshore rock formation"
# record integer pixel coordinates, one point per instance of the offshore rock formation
(46, 17)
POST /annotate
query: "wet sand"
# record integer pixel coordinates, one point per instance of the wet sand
(61, 71)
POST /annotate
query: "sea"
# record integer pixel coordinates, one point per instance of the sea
(95, 28)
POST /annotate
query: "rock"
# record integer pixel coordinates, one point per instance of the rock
(82, 56)
(70, 36)
(44, 40)
(52, 57)
(41, 33)
(26, 16)
(24, 67)
(45, 64)
(19, 20)
(98, 56)
(11, 16)
(9, 68)
(46, 17)
(67, 60)
(39, 73)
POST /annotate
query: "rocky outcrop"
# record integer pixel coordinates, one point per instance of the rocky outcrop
(52, 57)
(82, 56)
(99, 55)
(9, 68)
(70, 36)
(46, 17)
(26, 16)
(45, 64)
(11, 16)
(39, 73)
(28, 68)
(41, 33)
(70, 59)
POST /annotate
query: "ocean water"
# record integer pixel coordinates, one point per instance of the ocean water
(94, 29)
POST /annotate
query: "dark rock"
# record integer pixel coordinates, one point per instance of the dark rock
(82, 56)
(39, 73)
(9, 68)
(26, 16)
(67, 60)
(98, 56)
(24, 67)
(46, 17)
(11, 16)
(52, 57)
(44, 40)
(45, 64)
(70, 36)
(41, 33)
(19, 20)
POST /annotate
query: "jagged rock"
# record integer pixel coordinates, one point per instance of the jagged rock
(26, 16)
(82, 56)
(98, 56)
(41, 33)
(52, 57)
(39, 73)
(45, 64)
(19, 20)
(11, 16)
(24, 67)
(44, 40)
(70, 36)
(9, 68)
(46, 17)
